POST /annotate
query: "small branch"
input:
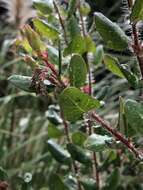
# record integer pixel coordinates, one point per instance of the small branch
(60, 59)
(61, 22)
(116, 134)
(75, 168)
(138, 50)
(130, 3)
(95, 170)
(82, 21)
(94, 158)
(85, 54)
(66, 128)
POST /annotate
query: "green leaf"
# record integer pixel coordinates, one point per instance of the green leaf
(90, 44)
(53, 117)
(3, 174)
(21, 82)
(112, 65)
(79, 138)
(84, 8)
(77, 45)
(53, 131)
(34, 39)
(74, 103)
(131, 78)
(73, 27)
(98, 56)
(78, 154)
(111, 33)
(113, 180)
(24, 44)
(137, 11)
(53, 55)
(97, 143)
(46, 29)
(55, 183)
(134, 114)
(77, 65)
(72, 8)
(43, 6)
(89, 184)
(58, 152)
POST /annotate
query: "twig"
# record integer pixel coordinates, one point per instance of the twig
(75, 168)
(94, 157)
(82, 21)
(116, 134)
(137, 48)
(61, 22)
(137, 45)
(130, 3)
(60, 60)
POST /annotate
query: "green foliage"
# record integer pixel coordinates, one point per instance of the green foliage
(74, 103)
(97, 143)
(45, 29)
(112, 65)
(71, 103)
(78, 154)
(21, 82)
(77, 65)
(134, 115)
(58, 153)
(111, 33)
(137, 11)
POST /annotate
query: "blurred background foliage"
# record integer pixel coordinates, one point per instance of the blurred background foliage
(27, 120)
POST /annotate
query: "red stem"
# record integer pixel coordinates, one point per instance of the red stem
(117, 134)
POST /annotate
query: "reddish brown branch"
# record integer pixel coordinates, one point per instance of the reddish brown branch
(130, 3)
(138, 50)
(116, 134)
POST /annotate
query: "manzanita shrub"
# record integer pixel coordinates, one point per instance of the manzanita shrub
(82, 148)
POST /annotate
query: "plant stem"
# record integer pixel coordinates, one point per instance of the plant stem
(130, 3)
(82, 21)
(137, 48)
(94, 157)
(74, 166)
(116, 134)
(61, 22)
(95, 170)
(66, 128)
(60, 59)
(138, 51)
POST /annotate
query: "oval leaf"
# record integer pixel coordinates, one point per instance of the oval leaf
(58, 152)
(74, 103)
(111, 33)
(137, 11)
(79, 154)
(134, 114)
(97, 143)
(77, 65)
(112, 65)
(56, 183)
(45, 29)
(21, 82)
